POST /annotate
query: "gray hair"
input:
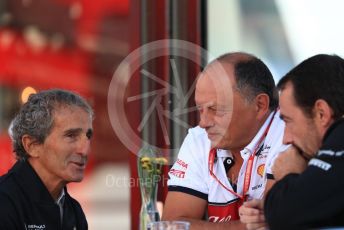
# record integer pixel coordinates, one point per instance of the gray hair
(36, 117)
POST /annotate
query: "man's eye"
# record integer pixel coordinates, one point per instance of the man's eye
(286, 121)
(222, 112)
(89, 134)
(213, 110)
(71, 135)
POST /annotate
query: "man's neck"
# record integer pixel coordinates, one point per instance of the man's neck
(53, 184)
(236, 155)
(233, 172)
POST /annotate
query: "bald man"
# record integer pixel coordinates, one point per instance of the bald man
(227, 158)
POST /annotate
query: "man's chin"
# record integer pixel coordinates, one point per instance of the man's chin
(216, 144)
(76, 177)
(304, 153)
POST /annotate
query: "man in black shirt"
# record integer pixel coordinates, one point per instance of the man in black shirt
(312, 106)
(51, 138)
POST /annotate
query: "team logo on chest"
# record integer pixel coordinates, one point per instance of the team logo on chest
(34, 226)
(260, 170)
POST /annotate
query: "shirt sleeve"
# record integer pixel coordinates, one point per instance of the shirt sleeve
(190, 172)
(311, 199)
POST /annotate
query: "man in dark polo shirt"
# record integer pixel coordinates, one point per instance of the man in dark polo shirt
(312, 106)
(51, 138)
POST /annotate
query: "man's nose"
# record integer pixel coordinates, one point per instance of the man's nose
(287, 137)
(84, 146)
(206, 120)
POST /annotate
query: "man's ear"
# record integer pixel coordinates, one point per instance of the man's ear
(262, 104)
(323, 113)
(30, 145)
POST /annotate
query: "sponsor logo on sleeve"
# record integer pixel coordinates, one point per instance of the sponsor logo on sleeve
(330, 153)
(320, 164)
(177, 173)
(182, 163)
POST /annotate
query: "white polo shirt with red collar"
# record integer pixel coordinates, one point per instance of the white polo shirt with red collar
(191, 173)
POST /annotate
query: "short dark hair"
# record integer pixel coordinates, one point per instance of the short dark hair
(36, 116)
(318, 77)
(252, 76)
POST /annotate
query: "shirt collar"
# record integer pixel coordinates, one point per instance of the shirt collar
(31, 183)
(60, 198)
(223, 153)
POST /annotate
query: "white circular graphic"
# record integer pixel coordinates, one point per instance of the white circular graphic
(117, 97)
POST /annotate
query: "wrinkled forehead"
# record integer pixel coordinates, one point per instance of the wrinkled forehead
(221, 73)
(217, 75)
(60, 107)
(61, 110)
(215, 83)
